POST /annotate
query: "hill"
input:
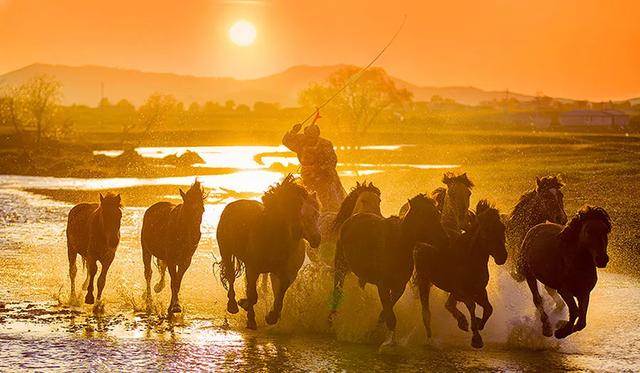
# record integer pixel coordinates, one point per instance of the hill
(84, 84)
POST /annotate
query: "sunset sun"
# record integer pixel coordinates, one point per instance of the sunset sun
(242, 33)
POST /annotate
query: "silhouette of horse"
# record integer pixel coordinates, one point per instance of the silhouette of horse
(452, 202)
(93, 231)
(267, 238)
(379, 251)
(362, 198)
(171, 233)
(565, 258)
(542, 204)
(462, 270)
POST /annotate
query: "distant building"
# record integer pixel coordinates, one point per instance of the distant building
(615, 118)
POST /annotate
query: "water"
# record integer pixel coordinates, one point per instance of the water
(41, 330)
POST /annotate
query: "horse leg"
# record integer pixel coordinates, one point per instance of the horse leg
(173, 274)
(568, 328)
(556, 298)
(92, 268)
(182, 268)
(251, 299)
(487, 309)
(425, 287)
(451, 306)
(148, 272)
(102, 279)
(583, 305)
(476, 340)
(386, 298)
(72, 255)
(229, 274)
(162, 268)
(340, 272)
(280, 284)
(537, 300)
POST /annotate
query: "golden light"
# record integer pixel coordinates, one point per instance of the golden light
(242, 33)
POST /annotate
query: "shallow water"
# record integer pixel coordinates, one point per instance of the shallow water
(40, 329)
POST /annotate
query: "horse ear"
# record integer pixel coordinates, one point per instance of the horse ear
(101, 198)
(538, 182)
(183, 195)
(118, 198)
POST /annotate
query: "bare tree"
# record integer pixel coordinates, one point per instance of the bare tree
(155, 112)
(12, 109)
(42, 96)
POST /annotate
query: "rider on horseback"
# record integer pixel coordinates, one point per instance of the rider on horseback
(318, 163)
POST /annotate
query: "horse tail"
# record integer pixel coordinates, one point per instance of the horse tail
(84, 262)
(230, 267)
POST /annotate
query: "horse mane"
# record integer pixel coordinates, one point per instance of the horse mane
(451, 178)
(283, 193)
(349, 202)
(423, 200)
(438, 195)
(571, 231)
(196, 192)
(484, 208)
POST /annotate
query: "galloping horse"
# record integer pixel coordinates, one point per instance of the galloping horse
(267, 238)
(379, 251)
(362, 198)
(452, 202)
(93, 231)
(565, 258)
(171, 233)
(462, 271)
(542, 204)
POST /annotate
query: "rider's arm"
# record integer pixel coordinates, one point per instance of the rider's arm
(293, 140)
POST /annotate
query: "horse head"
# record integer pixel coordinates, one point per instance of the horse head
(193, 202)
(548, 191)
(422, 221)
(110, 217)
(362, 198)
(298, 208)
(457, 196)
(491, 231)
(590, 229)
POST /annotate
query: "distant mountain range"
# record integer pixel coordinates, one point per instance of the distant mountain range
(86, 84)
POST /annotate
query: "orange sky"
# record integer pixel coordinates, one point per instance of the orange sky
(567, 48)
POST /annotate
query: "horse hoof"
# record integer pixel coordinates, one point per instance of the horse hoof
(476, 341)
(176, 308)
(158, 287)
(463, 324)
(251, 324)
(546, 330)
(98, 308)
(89, 299)
(272, 318)
(562, 332)
(244, 303)
(232, 307)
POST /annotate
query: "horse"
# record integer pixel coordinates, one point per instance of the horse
(452, 202)
(362, 197)
(565, 258)
(171, 233)
(93, 231)
(267, 237)
(544, 203)
(379, 250)
(461, 269)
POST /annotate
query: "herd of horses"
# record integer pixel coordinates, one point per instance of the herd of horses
(435, 240)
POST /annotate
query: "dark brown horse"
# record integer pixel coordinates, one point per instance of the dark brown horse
(267, 237)
(565, 258)
(379, 251)
(543, 204)
(171, 233)
(93, 231)
(462, 270)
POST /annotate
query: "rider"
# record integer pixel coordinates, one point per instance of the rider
(318, 163)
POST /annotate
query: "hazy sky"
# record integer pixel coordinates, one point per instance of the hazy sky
(581, 49)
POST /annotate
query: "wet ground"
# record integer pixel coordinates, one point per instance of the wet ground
(42, 329)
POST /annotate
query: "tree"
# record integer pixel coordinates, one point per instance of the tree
(362, 103)
(155, 112)
(42, 96)
(12, 109)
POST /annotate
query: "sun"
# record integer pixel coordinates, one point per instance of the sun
(242, 33)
